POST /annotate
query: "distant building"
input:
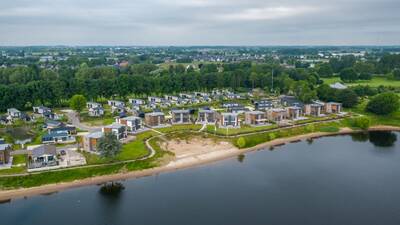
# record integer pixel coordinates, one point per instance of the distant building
(42, 156)
(180, 116)
(263, 105)
(338, 86)
(155, 119)
(5, 150)
(132, 123)
(314, 109)
(206, 116)
(333, 107)
(135, 101)
(229, 120)
(286, 100)
(14, 113)
(41, 110)
(115, 103)
(276, 114)
(118, 130)
(91, 105)
(90, 141)
(255, 118)
(59, 135)
(96, 111)
(294, 112)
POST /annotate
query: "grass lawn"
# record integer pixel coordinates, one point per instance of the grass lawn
(133, 150)
(255, 139)
(107, 119)
(13, 170)
(375, 82)
(244, 129)
(19, 159)
(181, 127)
(390, 120)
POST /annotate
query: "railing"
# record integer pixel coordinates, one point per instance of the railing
(35, 165)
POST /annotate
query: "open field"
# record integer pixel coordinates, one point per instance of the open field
(375, 82)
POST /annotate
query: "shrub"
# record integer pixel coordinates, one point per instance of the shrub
(329, 129)
(310, 128)
(361, 122)
(241, 142)
(271, 136)
(384, 104)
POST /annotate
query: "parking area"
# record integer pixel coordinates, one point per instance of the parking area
(70, 157)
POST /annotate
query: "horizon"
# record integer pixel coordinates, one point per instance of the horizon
(200, 23)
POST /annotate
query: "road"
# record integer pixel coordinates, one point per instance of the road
(74, 120)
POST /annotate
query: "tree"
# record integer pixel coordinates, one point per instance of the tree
(384, 104)
(326, 93)
(109, 146)
(78, 102)
(325, 70)
(365, 76)
(348, 75)
(347, 97)
(396, 74)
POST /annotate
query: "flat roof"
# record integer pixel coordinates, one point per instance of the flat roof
(97, 134)
(4, 146)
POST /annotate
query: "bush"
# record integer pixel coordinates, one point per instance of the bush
(329, 129)
(241, 142)
(347, 97)
(361, 122)
(310, 128)
(271, 136)
(384, 104)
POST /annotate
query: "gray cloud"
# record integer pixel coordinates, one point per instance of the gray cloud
(199, 22)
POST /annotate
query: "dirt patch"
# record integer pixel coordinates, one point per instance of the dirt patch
(196, 146)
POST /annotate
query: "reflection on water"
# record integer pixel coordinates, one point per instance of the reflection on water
(112, 189)
(382, 139)
(360, 137)
(377, 138)
(241, 157)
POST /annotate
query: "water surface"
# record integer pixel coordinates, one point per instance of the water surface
(340, 180)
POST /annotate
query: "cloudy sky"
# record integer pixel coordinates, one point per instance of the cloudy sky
(199, 22)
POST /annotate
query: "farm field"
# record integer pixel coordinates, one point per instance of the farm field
(375, 82)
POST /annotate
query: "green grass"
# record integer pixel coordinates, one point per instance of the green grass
(389, 120)
(189, 127)
(19, 159)
(244, 129)
(256, 139)
(133, 150)
(374, 82)
(12, 170)
(70, 175)
(107, 119)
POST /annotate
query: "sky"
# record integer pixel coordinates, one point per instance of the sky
(199, 22)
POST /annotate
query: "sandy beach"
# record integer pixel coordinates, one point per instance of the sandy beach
(188, 153)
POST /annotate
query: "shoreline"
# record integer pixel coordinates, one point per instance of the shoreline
(178, 164)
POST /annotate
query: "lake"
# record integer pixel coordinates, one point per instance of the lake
(340, 180)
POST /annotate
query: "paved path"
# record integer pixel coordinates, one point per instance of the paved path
(74, 120)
